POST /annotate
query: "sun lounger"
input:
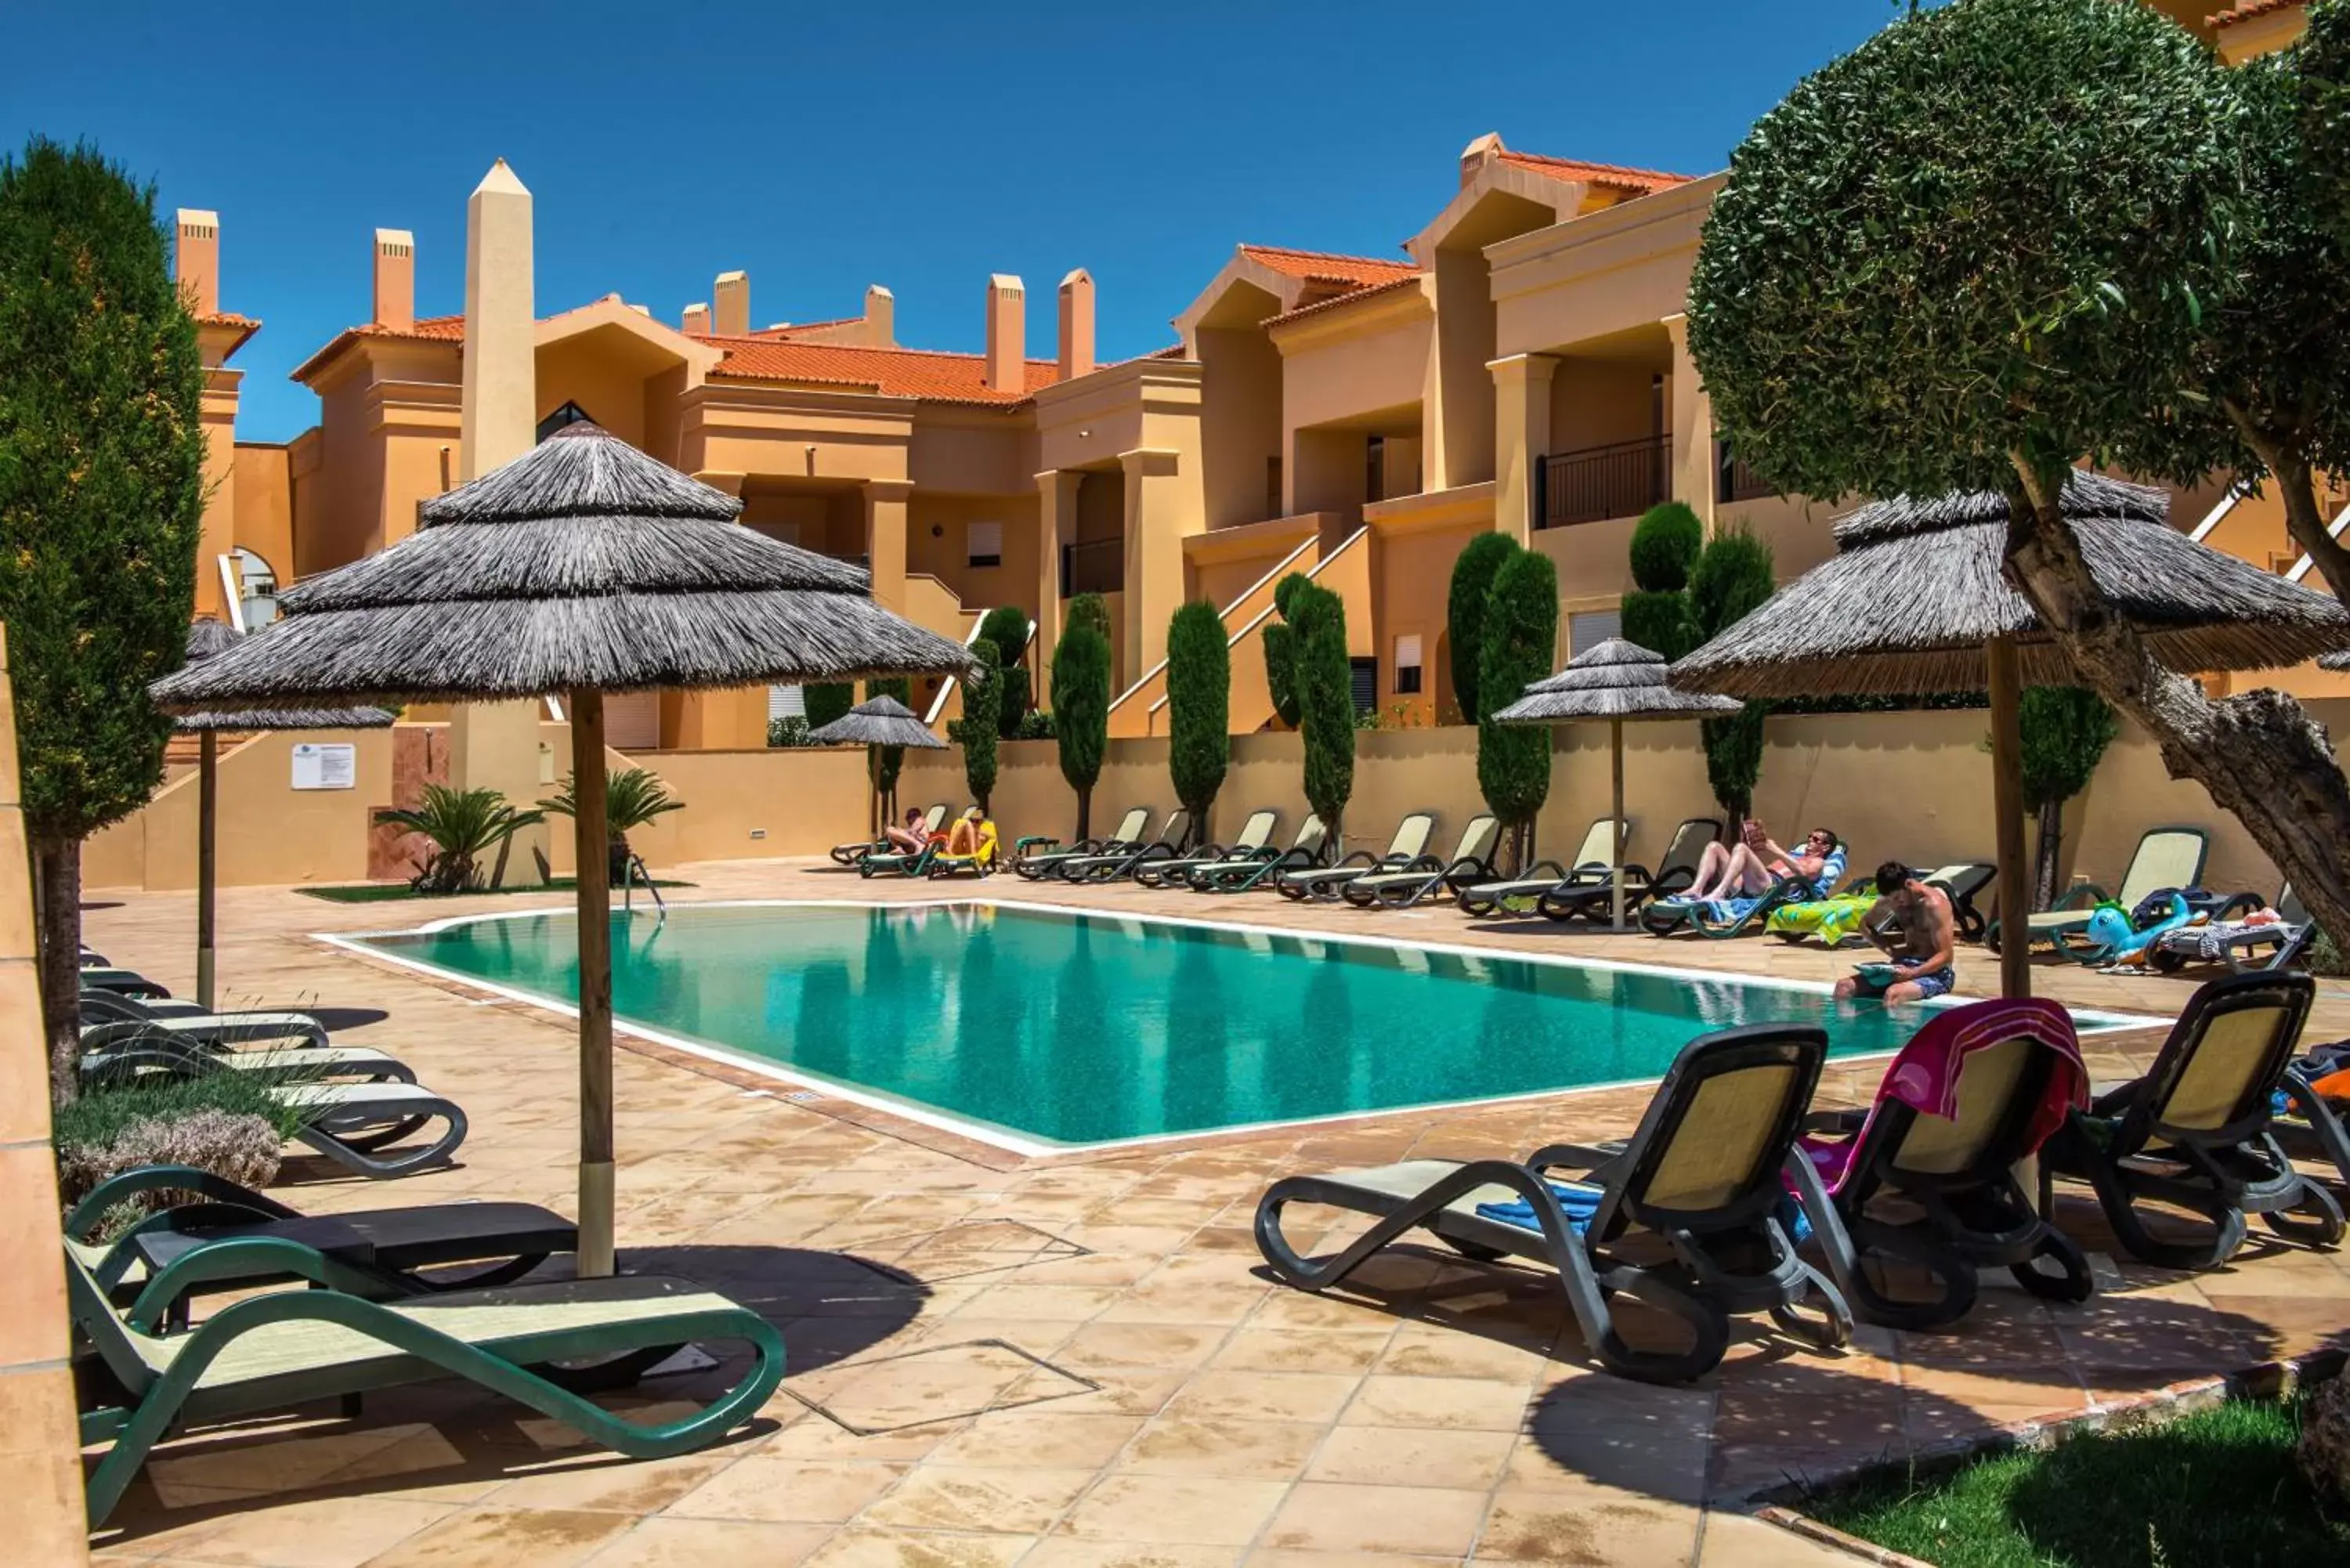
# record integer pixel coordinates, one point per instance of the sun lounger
(2226, 939)
(120, 981)
(2196, 1133)
(123, 1016)
(900, 863)
(1327, 882)
(125, 1060)
(850, 854)
(388, 1247)
(1962, 881)
(1033, 858)
(1593, 859)
(293, 1347)
(1926, 1175)
(979, 862)
(1255, 869)
(2165, 857)
(1683, 1218)
(349, 1122)
(1472, 860)
(1721, 917)
(1121, 861)
(1587, 897)
(2309, 1123)
(1175, 870)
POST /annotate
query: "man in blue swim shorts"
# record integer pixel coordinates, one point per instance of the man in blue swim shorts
(1913, 924)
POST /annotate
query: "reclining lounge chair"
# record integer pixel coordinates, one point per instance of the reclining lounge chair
(1112, 864)
(1682, 1218)
(2243, 949)
(850, 854)
(1325, 882)
(1926, 1175)
(2165, 857)
(1034, 859)
(1592, 860)
(1473, 861)
(1175, 871)
(1720, 917)
(1241, 875)
(1587, 897)
(2196, 1132)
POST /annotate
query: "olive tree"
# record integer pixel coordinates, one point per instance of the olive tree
(1979, 248)
(1199, 709)
(101, 507)
(1519, 635)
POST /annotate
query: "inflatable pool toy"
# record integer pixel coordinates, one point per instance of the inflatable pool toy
(2110, 937)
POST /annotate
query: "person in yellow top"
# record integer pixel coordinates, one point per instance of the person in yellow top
(971, 847)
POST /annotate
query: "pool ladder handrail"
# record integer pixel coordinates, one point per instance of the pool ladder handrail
(631, 874)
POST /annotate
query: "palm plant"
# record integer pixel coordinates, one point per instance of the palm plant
(632, 797)
(464, 825)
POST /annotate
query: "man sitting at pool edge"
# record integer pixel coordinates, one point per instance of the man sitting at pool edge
(1926, 963)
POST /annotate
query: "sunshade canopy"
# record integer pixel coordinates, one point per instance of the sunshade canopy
(877, 721)
(1616, 679)
(208, 637)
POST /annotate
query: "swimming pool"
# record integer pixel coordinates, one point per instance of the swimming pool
(1043, 1029)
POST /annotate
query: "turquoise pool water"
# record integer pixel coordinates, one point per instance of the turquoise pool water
(1066, 1029)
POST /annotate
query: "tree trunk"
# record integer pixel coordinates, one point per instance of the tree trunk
(2303, 518)
(57, 877)
(1084, 813)
(2258, 753)
(2048, 853)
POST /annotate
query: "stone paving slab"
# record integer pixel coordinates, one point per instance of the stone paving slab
(1076, 1361)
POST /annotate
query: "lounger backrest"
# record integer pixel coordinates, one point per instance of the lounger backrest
(1130, 827)
(1596, 850)
(2290, 905)
(934, 818)
(1257, 831)
(1712, 1144)
(1477, 839)
(1998, 1086)
(1688, 847)
(131, 1357)
(1411, 840)
(2211, 1081)
(1310, 836)
(1178, 824)
(2165, 857)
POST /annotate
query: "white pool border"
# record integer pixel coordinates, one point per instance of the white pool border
(1011, 1141)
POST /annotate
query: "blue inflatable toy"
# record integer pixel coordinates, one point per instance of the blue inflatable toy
(2111, 939)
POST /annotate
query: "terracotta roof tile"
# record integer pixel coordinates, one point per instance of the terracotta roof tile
(782, 328)
(1642, 181)
(244, 326)
(1409, 280)
(1323, 267)
(928, 374)
(428, 329)
(2247, 10)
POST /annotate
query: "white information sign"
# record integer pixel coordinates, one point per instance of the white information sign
(319, 767)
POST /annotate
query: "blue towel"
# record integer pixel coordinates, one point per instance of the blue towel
(1579, 1202)
(1724, 911)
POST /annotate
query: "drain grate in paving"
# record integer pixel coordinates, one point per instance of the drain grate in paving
(969, 1247)
(936, 1382)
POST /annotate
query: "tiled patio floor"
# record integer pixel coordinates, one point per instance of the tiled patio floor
(1074, 1362)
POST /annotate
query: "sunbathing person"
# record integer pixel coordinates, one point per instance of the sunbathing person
(908, 838)
(1925, 960)
(971, 830)
(1746, 869)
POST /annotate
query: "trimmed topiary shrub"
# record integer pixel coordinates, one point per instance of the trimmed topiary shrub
(1279, 636)
(1520, 637)
(1326, 708)
(1464, 612)
(892, 759)
(1665, 543)
(1199, 709)
(1006, 627)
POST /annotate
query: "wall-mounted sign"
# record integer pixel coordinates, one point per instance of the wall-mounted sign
(319, 767)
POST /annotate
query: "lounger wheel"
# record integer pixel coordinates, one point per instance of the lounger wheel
(2073, 1282)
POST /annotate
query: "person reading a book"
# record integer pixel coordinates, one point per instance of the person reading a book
(1912, 922)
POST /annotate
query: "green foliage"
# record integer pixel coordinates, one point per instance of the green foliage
(1081, 707)
(1036, 724)
(1006, 625)
(2322, 65)
(1280, 639)
(1660, 622)
(2065, 731)
(463, 826)
(632, 797)
(892, 758)
(1733, 758)
(1987, 237)
(1665, 546)
(1464, 612)
(787, 733)
(1733, 576)
(825, 702)
(982, 696)
(1326, 705)
(1199, 707)
(1519, 637)
(1092, 610)
(1285, 592)
(99, 1117)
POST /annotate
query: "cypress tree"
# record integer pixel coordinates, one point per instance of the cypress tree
(1006, 625)
(101, 506)
(982, 696)
(1464, 617)
(828, 699)
(1081, 705)
(1733, 577)
(1325, 707)
(1279, 636)
(1199, 709)
(1519, 635)
(2065, 731)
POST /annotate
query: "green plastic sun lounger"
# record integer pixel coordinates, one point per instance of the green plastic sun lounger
(387, 1246)
(1034, 864)
(120, 983)
(162, 1054)
(2165, 857)
(898, 862)
(1327, 882)
(1592, 860)
(1589, 896)
(1683, 1218)
(269, 1353)
(107, 1019)
(850, 854)
(1257, 869)
(1472, 860)
(1120, 860)
(1175, 870)
(349, 1123)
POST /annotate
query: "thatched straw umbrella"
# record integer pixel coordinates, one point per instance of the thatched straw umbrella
(875, 723)
(582, 567)
(1916, 601)
(205, 639)
(1618, 680)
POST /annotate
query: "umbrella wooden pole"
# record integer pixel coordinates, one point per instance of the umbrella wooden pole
(593, 879)
(1616, 822)
(2007, 803)
(207, 862)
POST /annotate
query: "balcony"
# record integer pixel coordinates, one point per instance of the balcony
(1622, 479)
(1093, 566)
(1735, 481)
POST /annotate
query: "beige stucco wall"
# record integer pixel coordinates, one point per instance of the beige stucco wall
(264, 507)
(804, 801)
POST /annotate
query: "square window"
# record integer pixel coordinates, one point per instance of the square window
(983, 544)
(1407, 665)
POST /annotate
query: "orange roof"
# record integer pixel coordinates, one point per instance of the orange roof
(782, 327)
(428, 329)
(1352, 296)
(244, 327)
(927, 374)
(2246, 10)
(1323, 267)
(1640, 181)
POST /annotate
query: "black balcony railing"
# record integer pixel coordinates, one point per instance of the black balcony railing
(1622, 479)
(1093, 566)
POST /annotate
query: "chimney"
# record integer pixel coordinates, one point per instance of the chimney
(395, 279)
(196, 260)
(730, 309)
(1076, 325)
(1007, 334)
(1479, 153)
(696, 319)
(881, 317)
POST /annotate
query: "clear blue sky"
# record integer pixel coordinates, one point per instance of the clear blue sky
(917, 144)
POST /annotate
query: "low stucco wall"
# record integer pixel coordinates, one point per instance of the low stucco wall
(803, 801)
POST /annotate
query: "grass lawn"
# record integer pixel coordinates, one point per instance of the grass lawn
(387, 892)
(2218, 1487)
